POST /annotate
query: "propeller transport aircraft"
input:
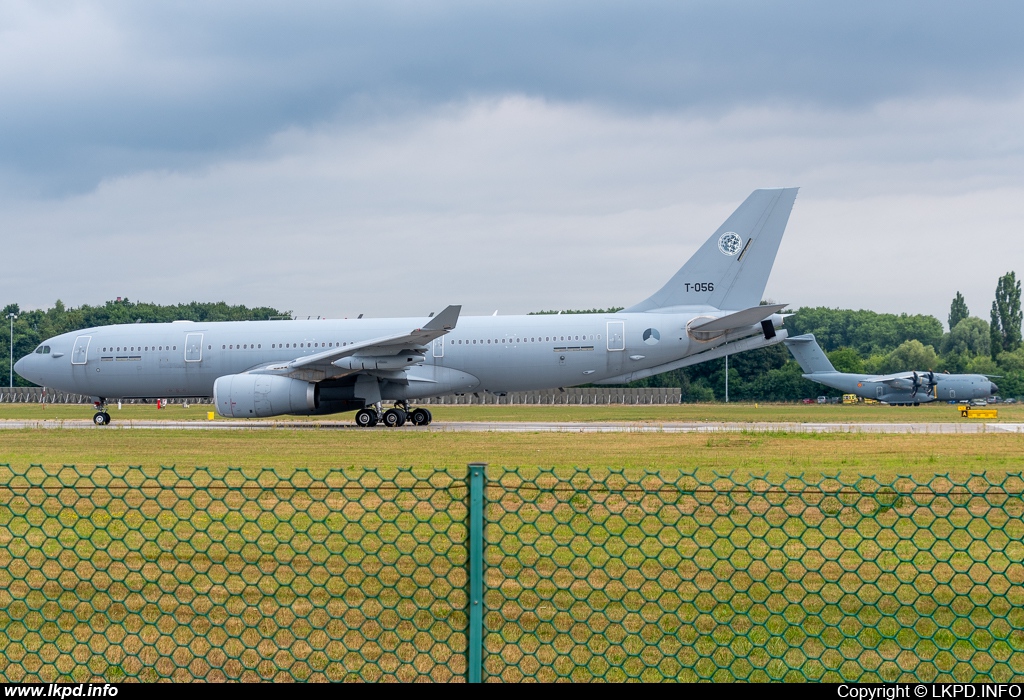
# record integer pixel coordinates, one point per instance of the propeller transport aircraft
(901, 389)
(710, 308)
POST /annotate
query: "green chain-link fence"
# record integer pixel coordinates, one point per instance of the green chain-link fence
(614, 574)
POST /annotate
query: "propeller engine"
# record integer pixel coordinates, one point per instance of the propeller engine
(928, 384)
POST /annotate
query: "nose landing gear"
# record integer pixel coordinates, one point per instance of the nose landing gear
(101, 417)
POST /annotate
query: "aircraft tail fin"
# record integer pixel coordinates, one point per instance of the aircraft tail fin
(808, 354)
(731, 269)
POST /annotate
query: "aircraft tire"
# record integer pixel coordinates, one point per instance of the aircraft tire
(365, 418)
(420, 416)
(394, 418)
(101, 418)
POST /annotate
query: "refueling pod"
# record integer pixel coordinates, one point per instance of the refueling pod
(263, 395)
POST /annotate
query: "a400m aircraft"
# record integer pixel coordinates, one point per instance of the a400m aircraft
(710, 308)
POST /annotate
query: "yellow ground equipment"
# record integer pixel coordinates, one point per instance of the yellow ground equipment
(850, 398)
(977, 412)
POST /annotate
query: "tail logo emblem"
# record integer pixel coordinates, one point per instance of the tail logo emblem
(729, 243)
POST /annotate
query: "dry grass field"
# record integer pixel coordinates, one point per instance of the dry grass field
(745, 452)
(733, 412)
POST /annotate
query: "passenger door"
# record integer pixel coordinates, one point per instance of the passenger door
(616, 336)
(194, 347)
(80, 353)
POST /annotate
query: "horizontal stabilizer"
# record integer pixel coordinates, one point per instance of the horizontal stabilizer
(740, 319)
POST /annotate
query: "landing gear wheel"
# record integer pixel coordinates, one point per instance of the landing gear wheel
(365, 418)
(101, 418)
(394, 418)
(420, 416)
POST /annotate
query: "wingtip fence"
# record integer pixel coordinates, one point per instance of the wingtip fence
(489, 574)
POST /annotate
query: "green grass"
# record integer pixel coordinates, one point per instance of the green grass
(713, 412)
(285, 450)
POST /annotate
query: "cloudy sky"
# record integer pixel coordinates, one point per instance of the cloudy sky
(390, 158)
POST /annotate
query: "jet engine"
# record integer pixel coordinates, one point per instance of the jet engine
(263, 395)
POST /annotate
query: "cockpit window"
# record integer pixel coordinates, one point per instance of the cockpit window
(43, 350)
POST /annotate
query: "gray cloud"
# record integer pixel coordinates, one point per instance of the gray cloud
(102, 90)
(521, 204)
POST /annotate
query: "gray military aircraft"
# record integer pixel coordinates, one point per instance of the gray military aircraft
(900, 389)
(710, 308)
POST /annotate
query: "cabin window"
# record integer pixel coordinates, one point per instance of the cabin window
(223, 347)
(259, 346)
(175, 347)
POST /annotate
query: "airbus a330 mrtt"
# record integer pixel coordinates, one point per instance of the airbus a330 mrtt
(710, 308)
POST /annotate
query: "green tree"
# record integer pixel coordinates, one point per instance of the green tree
(957, 310)
(867, 332)
(911, 355)
(970, 336)
(1006, 315)
(846, 360)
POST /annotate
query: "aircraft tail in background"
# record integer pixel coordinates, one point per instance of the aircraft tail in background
(731, 269)
(809, 355)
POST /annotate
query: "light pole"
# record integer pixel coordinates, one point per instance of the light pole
(727, 379)
(10, 379)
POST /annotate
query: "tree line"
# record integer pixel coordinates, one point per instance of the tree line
(855, 341)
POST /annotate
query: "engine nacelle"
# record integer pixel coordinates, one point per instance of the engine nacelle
(263, 395)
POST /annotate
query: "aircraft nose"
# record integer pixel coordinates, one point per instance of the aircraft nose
(21, 366)
(993, 388)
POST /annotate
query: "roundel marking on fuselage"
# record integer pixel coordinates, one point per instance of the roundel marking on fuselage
(651, 336)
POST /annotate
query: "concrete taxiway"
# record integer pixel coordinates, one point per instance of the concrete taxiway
(969, 428)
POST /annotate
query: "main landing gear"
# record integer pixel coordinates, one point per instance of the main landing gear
(393, 417)
(101, 417)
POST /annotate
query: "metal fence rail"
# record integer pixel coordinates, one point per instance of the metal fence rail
(507, 575)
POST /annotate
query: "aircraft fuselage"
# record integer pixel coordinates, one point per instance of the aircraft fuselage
(485, 353)
(951, 387)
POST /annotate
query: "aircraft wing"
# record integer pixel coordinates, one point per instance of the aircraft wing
(331, 362)
(740, 319)
(897, 381)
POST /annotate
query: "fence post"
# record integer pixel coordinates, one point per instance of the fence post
(476, 571)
